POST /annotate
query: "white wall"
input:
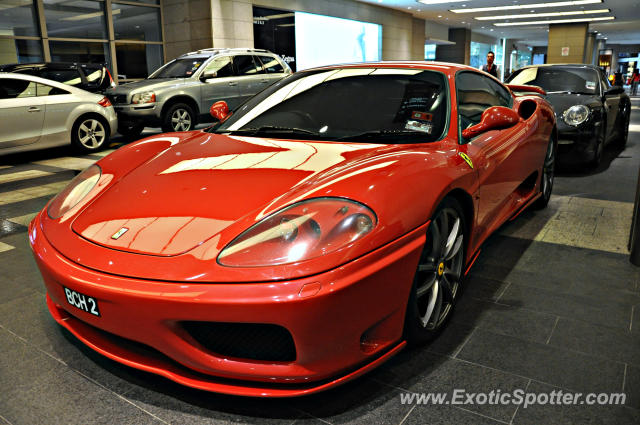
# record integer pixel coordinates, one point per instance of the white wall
(232, 23)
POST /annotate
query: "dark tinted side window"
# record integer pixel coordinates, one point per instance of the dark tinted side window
(475, 94)
(65, 76)
(245, 65)
(11, 89)
(271, 64)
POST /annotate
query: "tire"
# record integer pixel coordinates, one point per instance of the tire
(594, 161)
(548, 175)
(89, 134)
(131, 132)
(439, 275)
(178, 117)
(622, 139)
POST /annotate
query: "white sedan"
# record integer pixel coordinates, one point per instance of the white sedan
(39, 113)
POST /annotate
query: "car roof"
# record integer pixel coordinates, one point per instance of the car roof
(445, 67)
(207, 53)
(562, 65)
(57, 65)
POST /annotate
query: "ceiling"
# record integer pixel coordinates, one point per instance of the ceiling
(624, 29)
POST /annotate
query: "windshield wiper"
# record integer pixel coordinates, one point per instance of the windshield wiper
(382, 134)
(271, 129)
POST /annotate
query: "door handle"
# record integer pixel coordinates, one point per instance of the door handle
(233, 83)
(33, 109)
(264, 81)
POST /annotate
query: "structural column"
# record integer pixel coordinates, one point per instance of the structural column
(459, 52)
(567, 43)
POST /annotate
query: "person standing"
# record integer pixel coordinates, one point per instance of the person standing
(490, 67)
(635, 80)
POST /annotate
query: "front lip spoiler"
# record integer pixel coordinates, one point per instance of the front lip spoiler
(100, 342)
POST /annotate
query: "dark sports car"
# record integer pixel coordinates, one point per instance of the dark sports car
(590, 113)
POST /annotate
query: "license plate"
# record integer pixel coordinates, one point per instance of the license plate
(82, 301)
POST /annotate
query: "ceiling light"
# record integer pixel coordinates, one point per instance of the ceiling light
(554, 21)
(526, 6)
(541, 15)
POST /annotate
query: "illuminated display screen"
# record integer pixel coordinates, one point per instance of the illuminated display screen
(324, 40)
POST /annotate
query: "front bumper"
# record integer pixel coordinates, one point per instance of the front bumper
(344, 322)
(581, 140)
(147, 114)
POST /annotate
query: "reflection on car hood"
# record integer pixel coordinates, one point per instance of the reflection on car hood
(146, 85)
(195, 189)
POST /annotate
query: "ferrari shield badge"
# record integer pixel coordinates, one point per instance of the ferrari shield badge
(466, 158)
(119, 233)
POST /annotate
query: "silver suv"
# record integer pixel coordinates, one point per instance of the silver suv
(179, 94)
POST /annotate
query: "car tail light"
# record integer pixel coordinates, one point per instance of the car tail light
(104, 102)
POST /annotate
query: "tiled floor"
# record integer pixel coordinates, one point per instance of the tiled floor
(551, 304)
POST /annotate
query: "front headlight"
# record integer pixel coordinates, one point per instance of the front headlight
(576, 115)
(146, 97)
(77, 189)
(300, 232)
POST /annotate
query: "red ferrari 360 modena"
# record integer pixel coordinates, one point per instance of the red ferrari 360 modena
(304, 239)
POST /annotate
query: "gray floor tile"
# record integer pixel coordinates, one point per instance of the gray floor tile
(423, 372)
(632, 386)
(504, 319)
(617, 345)
(597, 311)
(44, 390)
(573, 414)
(484, 288)
(542, 362)
(181, 405)
(446, 415)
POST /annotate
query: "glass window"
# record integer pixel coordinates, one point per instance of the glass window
(382, 105)
(222, 65)
(136, 22)
(179, 68)
(559, 79)
(11, 88)
(138, 60)
(271, 64)
(20, 51)
(75, 18)
(477, 93)
(74, 51)
(429, 52)
(45, 90)
(245, 65)
(18, 17)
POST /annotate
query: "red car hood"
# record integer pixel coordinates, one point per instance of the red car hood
(195, 189)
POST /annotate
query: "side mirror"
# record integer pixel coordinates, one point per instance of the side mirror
(614, 90)
(494, 118)
(220, 111)
(208, 74)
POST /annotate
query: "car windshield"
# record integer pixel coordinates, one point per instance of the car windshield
(556, 79)
(354, 104)
(179, 68)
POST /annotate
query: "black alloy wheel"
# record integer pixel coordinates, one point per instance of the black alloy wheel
(548, 175)
(439, 275)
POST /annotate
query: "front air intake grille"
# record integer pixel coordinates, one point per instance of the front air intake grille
(117, 99)
(255, 341)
